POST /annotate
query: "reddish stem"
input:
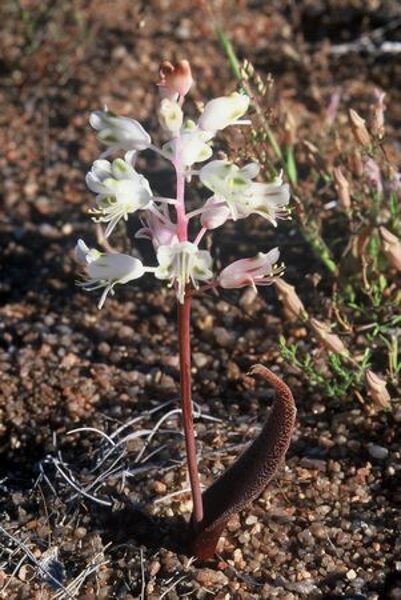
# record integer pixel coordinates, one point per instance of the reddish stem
(183, 317)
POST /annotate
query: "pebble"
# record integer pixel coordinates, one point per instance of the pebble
(351, 575)
(200, 359)
(223, 337)
(211, 577)
(378, 452)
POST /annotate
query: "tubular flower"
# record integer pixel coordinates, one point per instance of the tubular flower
(120, 191)
(244, 196)
(259, 270)
(224, 111)
(106, 270)
(119, 133)
(183, 263)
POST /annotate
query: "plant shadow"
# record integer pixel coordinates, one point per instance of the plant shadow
(133, 524)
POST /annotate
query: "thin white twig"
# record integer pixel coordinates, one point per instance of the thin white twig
(77, 488)
(143, 580)
(172, 586)
(168, 496)
(101, 433)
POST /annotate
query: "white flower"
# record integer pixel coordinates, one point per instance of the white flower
(120, 191)
(224, 111)
(170, 116)
(193, 146)
(244, 196)
(183, 263)
(106, 270)
(119, 133)
(259, 270)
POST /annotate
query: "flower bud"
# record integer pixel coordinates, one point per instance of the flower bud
(170, 116)
(216, 213)
(119, 133)
(376, 387)
(391, 246)
(342, 188)
(330, 340)
(224, 111)
(292, 303)
(175, 79)
(377, 114)
(358, 127)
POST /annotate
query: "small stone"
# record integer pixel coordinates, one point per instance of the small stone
(154, 568)
(378, 452)
(233, 371)
(223, 337)
(248, 298)
(159, 487)
(351, 575)
(80, 532)
(200, 359)
(210, 577)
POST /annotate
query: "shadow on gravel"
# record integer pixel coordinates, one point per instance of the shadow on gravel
(132, 524)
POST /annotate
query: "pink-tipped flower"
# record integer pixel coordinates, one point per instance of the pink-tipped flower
(215, 213)
(176, 80)
(259, 270)
(161, 231)
(391, 247)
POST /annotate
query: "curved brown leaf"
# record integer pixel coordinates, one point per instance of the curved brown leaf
(246, 479)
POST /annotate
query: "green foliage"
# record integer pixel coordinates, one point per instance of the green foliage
(340, 373)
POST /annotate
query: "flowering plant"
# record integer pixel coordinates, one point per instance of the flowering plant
(121, 191)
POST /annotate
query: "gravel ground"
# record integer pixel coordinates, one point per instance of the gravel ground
(107, 521)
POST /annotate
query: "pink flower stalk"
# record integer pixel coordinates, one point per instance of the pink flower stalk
(259, 270)
(176, 80)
